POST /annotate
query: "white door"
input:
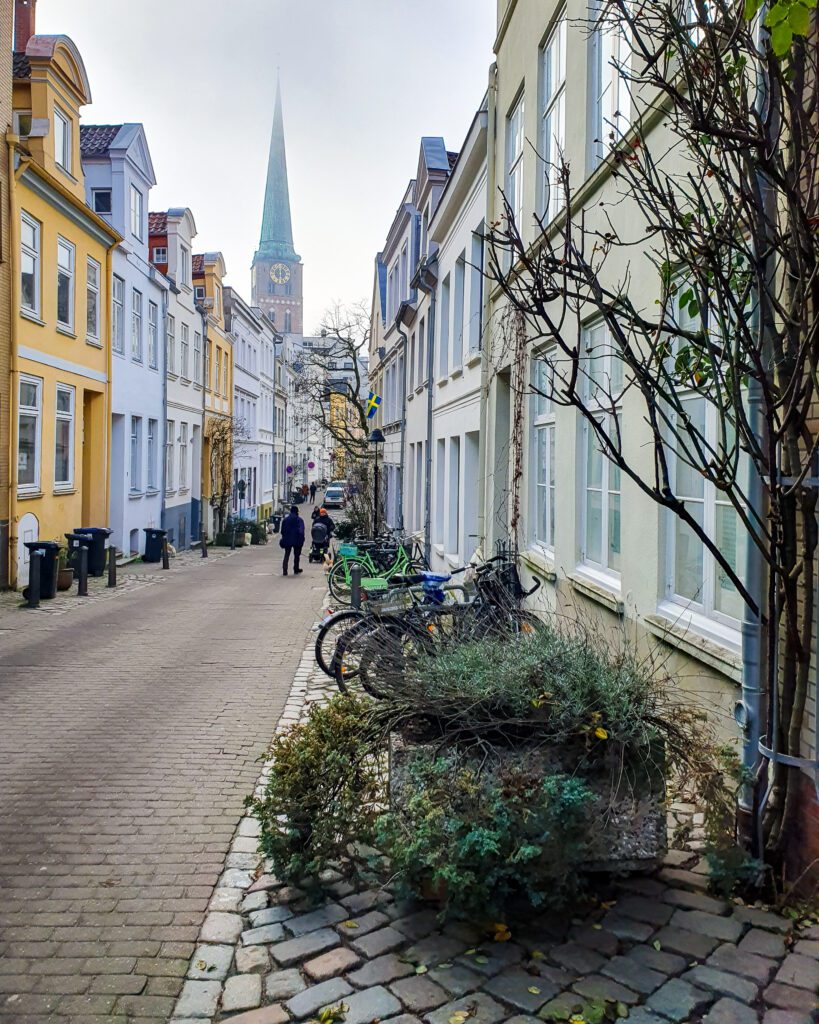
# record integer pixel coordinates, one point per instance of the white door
(27, 531)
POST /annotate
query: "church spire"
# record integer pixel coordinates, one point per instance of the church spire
(276, 240)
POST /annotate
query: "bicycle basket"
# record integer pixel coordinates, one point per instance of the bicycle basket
(509, 579)
(348, 550)
(373, 583)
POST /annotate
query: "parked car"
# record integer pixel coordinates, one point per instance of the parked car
(334, 496)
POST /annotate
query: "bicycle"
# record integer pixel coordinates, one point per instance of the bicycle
(377, 561)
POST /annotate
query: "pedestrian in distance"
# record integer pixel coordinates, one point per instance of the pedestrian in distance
(313, 493)
(305, 490)
(324, 518)
(292, 539)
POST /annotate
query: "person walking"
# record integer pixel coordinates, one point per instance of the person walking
(313, 493)
(305, 490)
(292, 540)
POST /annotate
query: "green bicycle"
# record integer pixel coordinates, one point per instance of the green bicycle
(376, 561)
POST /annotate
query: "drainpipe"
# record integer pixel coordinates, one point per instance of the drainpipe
(165, 303)
(401, 461)
(14, 382)
(205, 379)
(427, 280)
(748, 711)
(109, 391)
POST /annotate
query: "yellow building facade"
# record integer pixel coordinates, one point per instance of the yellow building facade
(6, 29)
(217, 449)
(60, 337)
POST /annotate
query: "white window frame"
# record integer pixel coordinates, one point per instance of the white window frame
(36, 412)
(68, 272)
(92, 291)
(183, 456)
(515, 149)
(184, 265)
(197, 357)
(170, 429)
(544, 491)
(611, 370)
(137, 207)
(35, 255)
(170, 345)
(65, 417)
(611, 111)
(553, 116)
(458, 312)
(62, 154)
(97, 192)
(136, 325)
(199, 293)
(160, 254)
(443, 326)
(152, 437)
(135, 462)
(153, 335)
(184, 351)
(118, 315)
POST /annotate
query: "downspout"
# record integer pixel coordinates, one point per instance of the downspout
(205, 381)
(109, 373)
(427, 285)
(164, 356)
(484, 445)
(748, 711)
(14, 382)
(401, 462)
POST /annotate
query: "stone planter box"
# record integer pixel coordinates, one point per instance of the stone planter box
(629, 811)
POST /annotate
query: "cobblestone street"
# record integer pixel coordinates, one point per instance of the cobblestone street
(130, 731)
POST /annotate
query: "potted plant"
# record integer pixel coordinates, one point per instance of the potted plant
(65, 574)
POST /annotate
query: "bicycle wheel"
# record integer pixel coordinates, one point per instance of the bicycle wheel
(347, 657)
(332, 629)
(338, 581)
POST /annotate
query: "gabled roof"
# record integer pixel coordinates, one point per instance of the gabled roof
(97, 139)
(21, 66)
(157, 223)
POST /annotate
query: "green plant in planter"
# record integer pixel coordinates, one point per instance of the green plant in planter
(326, 788)
(478, 839)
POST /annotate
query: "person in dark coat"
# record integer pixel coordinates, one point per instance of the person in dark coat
(323, 517)
(313, 493)
(292, 539)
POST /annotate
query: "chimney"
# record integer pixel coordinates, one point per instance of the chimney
(24, 12)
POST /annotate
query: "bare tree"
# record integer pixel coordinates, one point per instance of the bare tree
(223, 433)
(333, 380)
(716, 183)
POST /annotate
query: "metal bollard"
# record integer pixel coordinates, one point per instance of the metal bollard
(203, 541)
(166, 564)
(355, 585)
(233, 539)
(112, 565)
(34, 579)
(82, 575)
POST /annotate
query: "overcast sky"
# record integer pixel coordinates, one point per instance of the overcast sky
(362, 81)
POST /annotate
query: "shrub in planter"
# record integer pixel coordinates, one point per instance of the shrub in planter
(224, 540)
(476, 839)
(326, 788)
(257, 531)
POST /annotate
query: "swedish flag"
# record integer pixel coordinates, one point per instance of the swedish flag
(373, 403)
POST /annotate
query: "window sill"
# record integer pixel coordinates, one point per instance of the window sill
(420, 388)
(152, 492)
(68, 489)
(443, 382)
(457, 372)
(473, 360)
(29, 495)
(173, 375)
(438, 549)
(454, 561)
(135, 495)
(170, 493)
(32, 317)
(410, 396)
(93, 342)
(118, 352)
(597, 591)
(540, 563)
(67, 331)
(136, 362)
(724, 657)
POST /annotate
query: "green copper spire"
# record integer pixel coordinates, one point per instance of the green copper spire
(277, 230)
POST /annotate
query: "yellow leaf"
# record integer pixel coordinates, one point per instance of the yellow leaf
(601, 733)
(598, 927)
(537, 954)
(609, 904)
(534, 990)
(421, 969)
(349, 924)
(470, 952)
(200, 965)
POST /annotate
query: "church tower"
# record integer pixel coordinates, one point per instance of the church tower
(276, 274)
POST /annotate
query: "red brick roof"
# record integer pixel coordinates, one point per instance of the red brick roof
(22, 68)
(157, 223)
(198, 263)
(95, 139)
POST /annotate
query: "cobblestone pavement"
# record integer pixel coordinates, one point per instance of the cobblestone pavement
(130, 731)
(662, 948)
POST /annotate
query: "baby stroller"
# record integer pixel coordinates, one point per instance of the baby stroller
(320, 537)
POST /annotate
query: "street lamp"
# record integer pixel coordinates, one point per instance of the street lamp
(376, 438)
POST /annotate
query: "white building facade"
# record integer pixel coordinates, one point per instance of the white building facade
(171, 236)
(119, 176)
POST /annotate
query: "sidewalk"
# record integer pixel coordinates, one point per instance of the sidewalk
(665, 950)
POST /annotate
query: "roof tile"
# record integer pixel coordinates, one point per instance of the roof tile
(157, 223)
(96, 139)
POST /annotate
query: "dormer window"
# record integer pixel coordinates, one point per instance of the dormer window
(101, 200)
(136, 212)
(62, 139)
(160, 254)
(199, 293)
